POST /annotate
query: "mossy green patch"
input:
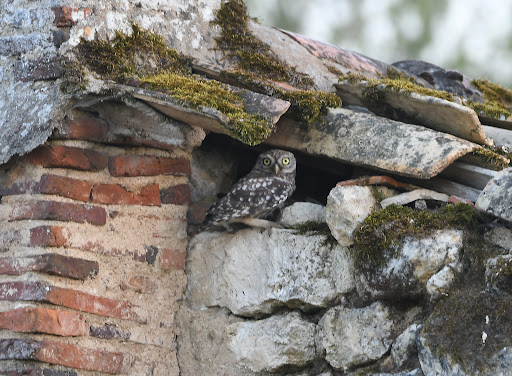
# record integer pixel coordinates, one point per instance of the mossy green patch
(305, 105)
(144, 56)
(376, 89)
(493, 157)
(258, 66)
(196, 91)
(458, 322)
(378, 238)
(139, 54)
(317, 228)
(498, 100)
(249, 53)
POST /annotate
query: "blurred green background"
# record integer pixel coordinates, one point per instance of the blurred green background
(473, 36)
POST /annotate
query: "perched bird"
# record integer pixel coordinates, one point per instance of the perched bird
(265, 188)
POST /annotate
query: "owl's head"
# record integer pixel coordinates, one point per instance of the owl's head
(276, 161)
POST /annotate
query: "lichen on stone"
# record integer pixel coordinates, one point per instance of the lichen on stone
(379, 237)
(258, 66)
(144, 56)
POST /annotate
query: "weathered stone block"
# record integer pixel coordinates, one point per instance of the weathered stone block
(273, 343)
(253, 273)
(351, 337)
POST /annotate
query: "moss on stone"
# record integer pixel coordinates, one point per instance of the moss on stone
(457, 323)
(144, 56)
(317, 228)
(498, 100)
(258, 66)
(247, 51)
(139, 54)
(493, 157)
(379, 237)
(305, 105)
(196, 92)
(376, 89)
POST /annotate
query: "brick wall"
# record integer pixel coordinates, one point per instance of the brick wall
(92, 255)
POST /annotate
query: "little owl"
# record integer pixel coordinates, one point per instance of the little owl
(265, 188)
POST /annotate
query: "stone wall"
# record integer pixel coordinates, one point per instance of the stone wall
(93, 246)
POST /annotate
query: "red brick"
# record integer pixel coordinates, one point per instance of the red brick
(177, 195)
(173, 259)
(43, 320)
(65, 187)
(64, 15)
(47, 236)
(53, 185)
(148, 166)
(78, 300)
(83, 127)
(63, 354)
(115, 194)
(141, 284)
(57, 156)
(70, 267)
(60, 211)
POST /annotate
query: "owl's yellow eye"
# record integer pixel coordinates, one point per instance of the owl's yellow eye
(286, 161)
(266, 162)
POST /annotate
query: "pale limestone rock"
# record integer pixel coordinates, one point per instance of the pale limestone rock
(404, 348)
(439, 284)
(351, 337)
(415, 372)
(496, 197)
(254, 272)
(347, 207)
(270, 344)
(301, 212)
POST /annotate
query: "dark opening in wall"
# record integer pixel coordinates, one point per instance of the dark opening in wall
(315, 176)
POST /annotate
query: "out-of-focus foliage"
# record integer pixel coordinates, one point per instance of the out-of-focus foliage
(470, 35)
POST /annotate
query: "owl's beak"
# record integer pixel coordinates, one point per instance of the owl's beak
(276, 168)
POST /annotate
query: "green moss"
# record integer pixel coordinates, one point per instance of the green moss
(493, 157)
(376, 89)
(195, 92)
(248, 52)
(498, 100)
(457, 323)
(140, 54)
(144, 56)
(258, 66)
(317, 228)
(378, 238)
(305, 105)
(74, 78)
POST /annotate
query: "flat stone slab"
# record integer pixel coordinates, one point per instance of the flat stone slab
(496, 198)
(364, 139)
(418, 194)
(436, 113)
(208, 118)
